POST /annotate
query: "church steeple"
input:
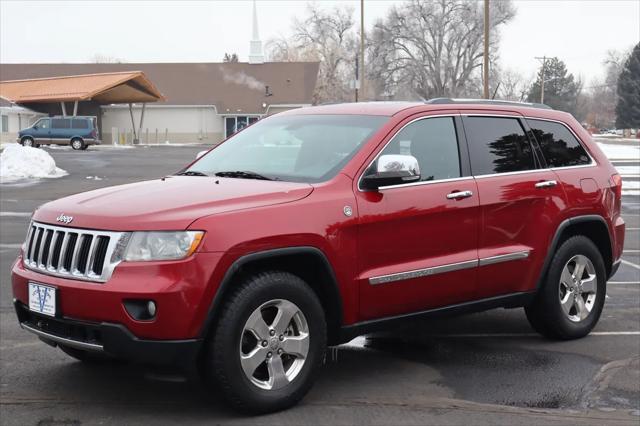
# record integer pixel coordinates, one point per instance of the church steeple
(256, 56)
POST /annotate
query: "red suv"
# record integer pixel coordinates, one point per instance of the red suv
(314, 226)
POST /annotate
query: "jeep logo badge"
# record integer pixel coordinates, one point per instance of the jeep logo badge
(64, 219)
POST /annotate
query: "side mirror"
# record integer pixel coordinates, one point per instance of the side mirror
(392, 170)
(201, 153)
(35, 127)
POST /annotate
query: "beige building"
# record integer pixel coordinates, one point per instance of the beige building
(204, 102)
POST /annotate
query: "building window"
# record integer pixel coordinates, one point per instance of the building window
(4, 125)
(236, 123)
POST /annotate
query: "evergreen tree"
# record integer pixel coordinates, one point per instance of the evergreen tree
(628, 107)
(560, 89)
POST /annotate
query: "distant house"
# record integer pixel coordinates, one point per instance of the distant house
(204, 102)
(14, 118)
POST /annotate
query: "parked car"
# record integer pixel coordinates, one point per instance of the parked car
(320, 224)
(78, 132)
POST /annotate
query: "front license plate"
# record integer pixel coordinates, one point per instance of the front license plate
(42, 299)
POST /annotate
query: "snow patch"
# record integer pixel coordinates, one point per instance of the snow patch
(19, 162)
(94, 177)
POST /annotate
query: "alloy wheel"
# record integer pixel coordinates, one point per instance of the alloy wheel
(274, 344)
(578, 288)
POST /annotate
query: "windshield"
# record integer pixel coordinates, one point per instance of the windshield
(295, 148)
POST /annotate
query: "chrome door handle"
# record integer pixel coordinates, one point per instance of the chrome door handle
(458, 195)
(546, 184)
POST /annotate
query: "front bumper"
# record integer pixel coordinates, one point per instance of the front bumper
(182, 291)
(111, 339)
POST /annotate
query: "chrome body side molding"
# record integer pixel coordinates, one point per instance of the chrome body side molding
(451, 267)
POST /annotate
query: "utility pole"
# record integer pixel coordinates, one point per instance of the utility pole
(485, 69)
(355, 85)
(362, 95)
(544, 65)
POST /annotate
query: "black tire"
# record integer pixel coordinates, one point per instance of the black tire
(28, 141)
(84, 148)
(78, 144)
(86, 356)
(222, 359)
(545, 313)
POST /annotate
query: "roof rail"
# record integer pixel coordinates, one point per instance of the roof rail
(438, 101)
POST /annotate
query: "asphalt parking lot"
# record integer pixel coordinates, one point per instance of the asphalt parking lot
(487, 368)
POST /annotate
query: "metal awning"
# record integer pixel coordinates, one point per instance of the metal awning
(105, 88)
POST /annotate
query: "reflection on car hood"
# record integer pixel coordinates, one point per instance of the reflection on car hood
(169, 203)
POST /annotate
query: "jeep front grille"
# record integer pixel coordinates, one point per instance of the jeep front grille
(70, 252)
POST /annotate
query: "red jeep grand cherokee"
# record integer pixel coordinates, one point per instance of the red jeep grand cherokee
(314, 226)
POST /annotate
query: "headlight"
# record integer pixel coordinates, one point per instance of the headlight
(161, 245)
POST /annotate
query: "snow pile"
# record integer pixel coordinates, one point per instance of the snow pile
(19, 162)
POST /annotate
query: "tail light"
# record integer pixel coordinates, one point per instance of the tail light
(94, 134)
(616, 180)
(616, 188)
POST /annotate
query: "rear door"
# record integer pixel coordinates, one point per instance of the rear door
(520, 201)
(60, 130)
(417, 243)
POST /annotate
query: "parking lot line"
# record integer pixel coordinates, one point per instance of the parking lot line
(593, 333)
(623, 282)
(633, 265)
(631, 251)
(15, 214)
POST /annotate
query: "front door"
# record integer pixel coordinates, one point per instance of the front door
(42, 131)
(519, 202)
(417, 243)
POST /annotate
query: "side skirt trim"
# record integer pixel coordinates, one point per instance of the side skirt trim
(451, 267)
(513, 300)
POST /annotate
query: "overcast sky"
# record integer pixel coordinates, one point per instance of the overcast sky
(579, 31)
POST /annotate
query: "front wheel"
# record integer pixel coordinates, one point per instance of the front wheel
(571, 299)
(268, 344)
(28, 142)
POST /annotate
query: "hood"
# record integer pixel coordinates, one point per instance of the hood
(171, 203)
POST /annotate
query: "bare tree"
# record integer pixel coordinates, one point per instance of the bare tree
(513, 86)
(105, 59)
(434, 46)
(326, 36)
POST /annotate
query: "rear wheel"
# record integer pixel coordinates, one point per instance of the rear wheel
(77, 144)
(268, 344)
(571, 299)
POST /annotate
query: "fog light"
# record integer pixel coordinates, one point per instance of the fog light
(141, 310)
(151, 308)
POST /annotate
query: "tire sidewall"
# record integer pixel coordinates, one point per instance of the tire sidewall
(28, 142)
(565, 327)
(226, 341)
(81, 144)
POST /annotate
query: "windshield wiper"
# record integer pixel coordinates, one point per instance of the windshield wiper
(243, 175)
(191, 173)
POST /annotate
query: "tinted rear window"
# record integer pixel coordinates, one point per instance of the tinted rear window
(60, 123)
(559, 147)
(498, 145)
(79, 124)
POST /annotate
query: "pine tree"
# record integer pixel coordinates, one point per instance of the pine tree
(628, 107)
(560, 89)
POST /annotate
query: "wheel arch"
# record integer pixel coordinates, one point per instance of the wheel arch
(308, 263)
(594, 227)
